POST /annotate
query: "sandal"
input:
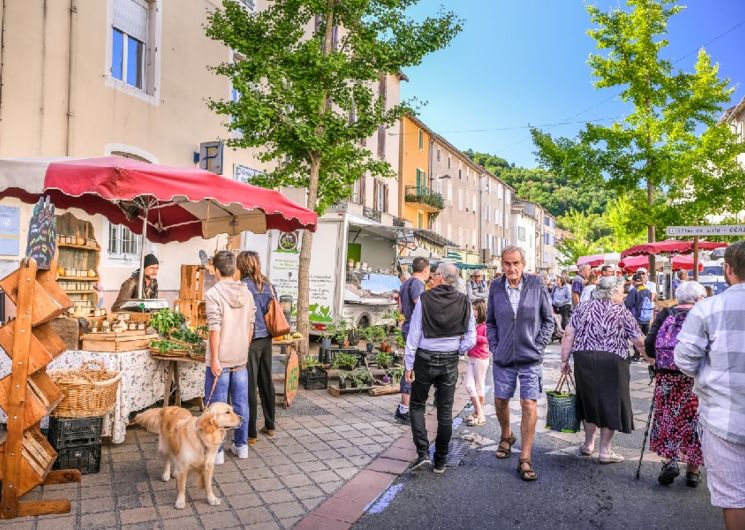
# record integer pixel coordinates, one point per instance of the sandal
(475, 421)
(526, 473)
(693, 478)
(584, 451)
(505, 452)
(611, 458)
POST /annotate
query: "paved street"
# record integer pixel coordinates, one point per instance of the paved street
(572, 491)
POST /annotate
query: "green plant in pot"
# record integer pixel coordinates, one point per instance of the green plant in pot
(395, 373)
(343, 376)
(311, 363)
(353, 336)
(345, 361)
(341, 332)
(384, 360)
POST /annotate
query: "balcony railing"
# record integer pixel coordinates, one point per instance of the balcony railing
(371, 213)
(424, 195)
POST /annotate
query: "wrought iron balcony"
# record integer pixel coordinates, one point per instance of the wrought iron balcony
(425, 197)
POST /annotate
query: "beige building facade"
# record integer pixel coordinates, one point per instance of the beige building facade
(90, 78)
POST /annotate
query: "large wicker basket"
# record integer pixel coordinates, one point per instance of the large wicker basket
(88, 392)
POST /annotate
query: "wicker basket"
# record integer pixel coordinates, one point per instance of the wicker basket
(88, 392)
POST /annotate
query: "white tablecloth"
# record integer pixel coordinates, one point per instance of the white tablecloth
(142, 382)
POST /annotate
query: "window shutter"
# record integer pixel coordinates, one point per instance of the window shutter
(130, 16)
(375, 195)
(385, 198)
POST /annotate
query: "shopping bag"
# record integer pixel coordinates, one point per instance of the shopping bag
(562, 406)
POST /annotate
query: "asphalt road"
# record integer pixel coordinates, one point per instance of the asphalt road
(571, 492)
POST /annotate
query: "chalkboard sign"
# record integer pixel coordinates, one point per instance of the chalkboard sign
(42, 242)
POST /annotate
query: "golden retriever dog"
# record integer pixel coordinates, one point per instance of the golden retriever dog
(189, 443)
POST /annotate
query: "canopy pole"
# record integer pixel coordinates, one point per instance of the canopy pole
(142, 255)
(695, 258)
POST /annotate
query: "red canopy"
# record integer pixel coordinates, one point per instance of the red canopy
(633, 263)
(596, 260)
(181, 203)
(670, 247)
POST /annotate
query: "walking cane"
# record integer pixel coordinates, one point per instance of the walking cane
(649, 422)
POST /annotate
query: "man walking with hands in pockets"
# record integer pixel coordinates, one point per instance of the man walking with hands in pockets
(442, 328)
(519, 324)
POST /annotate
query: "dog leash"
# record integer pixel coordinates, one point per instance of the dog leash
(212, 391)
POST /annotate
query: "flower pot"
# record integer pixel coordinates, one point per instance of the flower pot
(325, 343)
(342, 384)
(353, 337)
(370, 347)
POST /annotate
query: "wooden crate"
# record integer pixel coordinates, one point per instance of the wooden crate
(335, 391)
(68, 330)
(42, 396)
(192, 282)
(38, 458)
(194, 311)
(115, 342)
(44, 347)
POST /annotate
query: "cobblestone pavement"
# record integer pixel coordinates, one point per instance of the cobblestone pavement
(321, 442)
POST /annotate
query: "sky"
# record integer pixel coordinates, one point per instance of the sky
(520, 62)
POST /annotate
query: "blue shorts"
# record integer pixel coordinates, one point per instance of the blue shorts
(531, 381)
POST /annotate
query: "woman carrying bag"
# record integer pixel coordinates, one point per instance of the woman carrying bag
(260, 350)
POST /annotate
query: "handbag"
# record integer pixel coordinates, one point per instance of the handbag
(561, 414)
(276, 323)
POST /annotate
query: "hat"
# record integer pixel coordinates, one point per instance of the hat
(637, 277)
(476, 273)
(641, 269)
(150, 259)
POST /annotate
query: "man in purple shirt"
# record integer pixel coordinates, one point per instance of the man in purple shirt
(408, 296)
(442, 328)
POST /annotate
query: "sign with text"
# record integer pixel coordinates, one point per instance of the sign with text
(716, 230)
(10, 230)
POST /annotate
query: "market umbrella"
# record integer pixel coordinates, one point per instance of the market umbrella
(633, 263)
(596, 260)
(670, 247)
(162, 203)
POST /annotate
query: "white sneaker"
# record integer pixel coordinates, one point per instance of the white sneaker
(240, 451)
(220, 458)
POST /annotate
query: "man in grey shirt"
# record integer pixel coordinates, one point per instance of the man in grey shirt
(476, 287)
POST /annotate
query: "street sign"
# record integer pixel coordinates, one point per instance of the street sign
(717, 230)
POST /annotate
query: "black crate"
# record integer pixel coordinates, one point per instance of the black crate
(72, 432)
(314, 379)
(327, 355)
(86, 458)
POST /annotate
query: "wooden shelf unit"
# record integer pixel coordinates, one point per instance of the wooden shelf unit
(73, 256)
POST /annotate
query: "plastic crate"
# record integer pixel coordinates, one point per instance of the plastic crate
(72, 432)
(314, 380)
(327, 355)
(86, 458)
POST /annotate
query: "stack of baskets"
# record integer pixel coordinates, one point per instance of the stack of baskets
(75, 431)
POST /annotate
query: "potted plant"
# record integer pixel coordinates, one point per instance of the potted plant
(341, 332)
(395, 373)
(326, 336)
(343, 379)
(353, 336)
(384, 359)
(345, 361)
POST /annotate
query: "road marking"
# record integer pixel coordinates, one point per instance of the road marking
(385, 499)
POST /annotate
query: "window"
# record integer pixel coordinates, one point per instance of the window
(421, 139)
(460, 174)
(129, 45)
(473, 203)
(460, 200)
(248, 5)
(449, 161)
(123, 243)
(438, 154)
(421, 180)
(358, 191)
(420, 220)
(486, 213)
(380, 196)
(521, 233)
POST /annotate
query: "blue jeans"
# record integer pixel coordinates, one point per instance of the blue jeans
(234, 383)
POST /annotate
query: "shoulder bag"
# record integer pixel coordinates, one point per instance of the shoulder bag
(276, 323)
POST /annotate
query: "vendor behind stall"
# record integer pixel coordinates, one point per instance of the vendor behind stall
(128, 290)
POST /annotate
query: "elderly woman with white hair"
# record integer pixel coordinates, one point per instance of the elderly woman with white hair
(673, 434)
(598, 337)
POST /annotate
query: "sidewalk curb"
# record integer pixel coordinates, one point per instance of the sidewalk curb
(350, 502)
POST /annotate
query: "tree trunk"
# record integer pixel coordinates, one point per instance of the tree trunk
(303, 287)
(651, 232)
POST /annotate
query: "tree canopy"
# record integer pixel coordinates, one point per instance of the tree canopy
(669, 141)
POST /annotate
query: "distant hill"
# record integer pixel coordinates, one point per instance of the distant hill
(555, 193)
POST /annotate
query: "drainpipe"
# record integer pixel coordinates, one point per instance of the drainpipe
(70, 50)
(2, 58)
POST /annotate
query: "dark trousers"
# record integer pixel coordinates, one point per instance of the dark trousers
(260, 376)
(565, 311)
(440, 370)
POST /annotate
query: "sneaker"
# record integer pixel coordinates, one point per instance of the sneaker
(220, 458)
(669, 471)
(402, 417)
(439, 468)
(240, 451)
(421, 461)
(636, 359)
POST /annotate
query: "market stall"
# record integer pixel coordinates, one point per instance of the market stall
(164, 204)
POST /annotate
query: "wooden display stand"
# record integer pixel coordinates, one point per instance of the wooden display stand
(27, 394)
(78, 257)
(190, 301)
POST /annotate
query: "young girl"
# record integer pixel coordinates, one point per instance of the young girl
(478, 364)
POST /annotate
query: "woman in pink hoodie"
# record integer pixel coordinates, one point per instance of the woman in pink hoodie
(478, 364)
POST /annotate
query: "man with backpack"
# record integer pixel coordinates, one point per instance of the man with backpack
(408, 297)
(639, 302)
